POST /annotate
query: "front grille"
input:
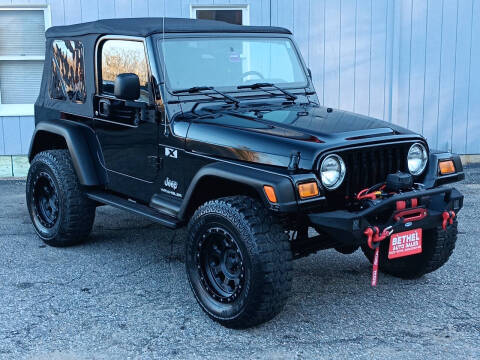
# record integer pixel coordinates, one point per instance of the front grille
(369, 166)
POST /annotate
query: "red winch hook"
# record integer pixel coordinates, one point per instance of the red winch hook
(374, 237)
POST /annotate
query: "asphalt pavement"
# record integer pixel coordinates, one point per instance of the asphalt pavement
(124, 294)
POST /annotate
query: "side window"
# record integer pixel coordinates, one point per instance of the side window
(68, 71)
(123, 56)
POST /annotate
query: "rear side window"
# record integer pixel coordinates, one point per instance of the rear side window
(123, 56)
(68, 71)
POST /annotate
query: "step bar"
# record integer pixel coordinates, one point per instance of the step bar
(136, 208)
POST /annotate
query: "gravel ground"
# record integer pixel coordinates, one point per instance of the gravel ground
(124, 294)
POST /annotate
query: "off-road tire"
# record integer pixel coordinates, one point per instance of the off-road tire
(76, 213)
(437, 246)
(267, 259)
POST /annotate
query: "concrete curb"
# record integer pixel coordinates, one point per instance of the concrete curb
(13, 166)
(470, 159)
(19, 178)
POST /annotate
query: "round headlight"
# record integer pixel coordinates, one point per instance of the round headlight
(417, 159)
(332, 171)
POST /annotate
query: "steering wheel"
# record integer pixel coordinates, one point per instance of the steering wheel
(248, 73)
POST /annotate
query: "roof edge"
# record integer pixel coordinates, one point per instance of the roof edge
(155, 25)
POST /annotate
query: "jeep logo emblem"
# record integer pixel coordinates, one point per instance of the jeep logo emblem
(170, 183)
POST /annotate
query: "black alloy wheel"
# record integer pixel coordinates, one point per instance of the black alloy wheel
(220, 264)
(45, 200)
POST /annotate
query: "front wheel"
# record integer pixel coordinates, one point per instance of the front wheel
(61, 213)
(238, 261)
(437, 244)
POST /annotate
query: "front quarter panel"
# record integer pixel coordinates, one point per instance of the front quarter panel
(254, 178)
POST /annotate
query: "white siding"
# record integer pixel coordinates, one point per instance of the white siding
(16, 134)
(411, 62)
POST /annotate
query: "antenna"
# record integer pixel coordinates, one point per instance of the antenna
(165, 131)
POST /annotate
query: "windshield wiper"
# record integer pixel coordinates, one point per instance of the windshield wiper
(200, 89)
(260, 85)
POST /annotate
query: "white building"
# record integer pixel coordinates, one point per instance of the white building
(411, 62)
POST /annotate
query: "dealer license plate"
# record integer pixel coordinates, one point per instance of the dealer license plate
(405, 243)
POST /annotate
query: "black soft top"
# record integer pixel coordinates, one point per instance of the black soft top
(148, 26)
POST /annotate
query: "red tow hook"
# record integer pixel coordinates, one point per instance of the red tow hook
(374, 238)
(447, 217)
(370, 232)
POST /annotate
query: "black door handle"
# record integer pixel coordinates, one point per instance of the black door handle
(104, 107)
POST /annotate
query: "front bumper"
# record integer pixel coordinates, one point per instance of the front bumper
(347, 227)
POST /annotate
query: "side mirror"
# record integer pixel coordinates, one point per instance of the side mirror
(309, 73)
(127, 86)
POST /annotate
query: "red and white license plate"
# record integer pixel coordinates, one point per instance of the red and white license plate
(405, 243)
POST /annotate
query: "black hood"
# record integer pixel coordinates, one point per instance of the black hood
(269, 134)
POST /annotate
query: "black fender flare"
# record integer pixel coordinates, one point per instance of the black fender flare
(252, 177)
(433, 178)
(82, 144)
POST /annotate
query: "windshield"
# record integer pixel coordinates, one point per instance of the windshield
(230, 62)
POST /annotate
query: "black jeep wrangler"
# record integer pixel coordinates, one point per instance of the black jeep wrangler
(218, 127)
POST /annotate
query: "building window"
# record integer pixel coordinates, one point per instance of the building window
(68, 72)
(123, 56)
(228, 13)
(22, 53)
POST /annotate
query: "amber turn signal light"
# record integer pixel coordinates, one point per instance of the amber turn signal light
(308, 190)
(270, 192)
(446, 167)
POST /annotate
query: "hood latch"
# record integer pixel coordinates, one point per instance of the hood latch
(294, 161)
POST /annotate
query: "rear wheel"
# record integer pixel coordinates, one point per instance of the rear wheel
(60, 212)
(437, 246)
(238, 261)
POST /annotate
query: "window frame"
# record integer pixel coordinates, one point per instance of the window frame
(24, 109)
(98, 61)
(244, 8)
